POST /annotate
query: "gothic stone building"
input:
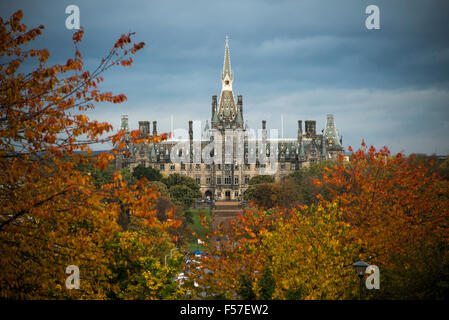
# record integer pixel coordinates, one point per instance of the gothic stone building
(225, 179)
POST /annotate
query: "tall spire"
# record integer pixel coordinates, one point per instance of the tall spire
(227, 76)
(227, 109)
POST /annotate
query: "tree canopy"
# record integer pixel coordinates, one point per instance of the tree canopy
(53, 211)
(149, 173)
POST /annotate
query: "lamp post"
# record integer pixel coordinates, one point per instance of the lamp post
(360, 268)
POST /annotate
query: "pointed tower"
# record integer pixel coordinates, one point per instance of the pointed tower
(331, 136)
(124, 123)
(227, 112)
(227, 77)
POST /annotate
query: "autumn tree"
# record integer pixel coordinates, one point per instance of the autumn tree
(398, 209)
(263, 194)
(149, 173)
(284, 193)
(299, 253)
(183, 190)
(304, 178)
(261, 179)
(444, 168)
(53, 215)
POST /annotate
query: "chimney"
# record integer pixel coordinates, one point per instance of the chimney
(144, 128)
(154, 128)
(190, 130)
(190, 141)
(310, 128)
(313, 127)
(264, 130)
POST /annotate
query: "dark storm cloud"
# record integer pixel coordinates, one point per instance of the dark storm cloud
(303, 59)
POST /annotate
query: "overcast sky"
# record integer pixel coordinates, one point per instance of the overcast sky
(302, 59)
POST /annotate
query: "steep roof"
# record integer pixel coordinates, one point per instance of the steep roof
(330, 131)
(227, 63)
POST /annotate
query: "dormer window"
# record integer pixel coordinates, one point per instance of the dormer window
(227, 82)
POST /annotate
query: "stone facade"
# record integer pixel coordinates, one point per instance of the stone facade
(226, 178)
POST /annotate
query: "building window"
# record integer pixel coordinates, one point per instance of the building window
(236, 180)
(218, 180)
(282, 166)
(228, 180)
(208, 180)
(247, 166)
(198, 167)
(219, 167)
(236, 167)
(246, 179)
(236, 194)
(172, 167)
(257, 165)
(293, 166)
(208, 167)
(162, 167)
(218, 194)
(183, 167)
(198, 180)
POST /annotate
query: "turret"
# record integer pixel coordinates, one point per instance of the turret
(190, 141)
(331, 133)
(299, 130)
(124, 123)
(154, 128)
(214, 117)
(264, 129)
(239, 118)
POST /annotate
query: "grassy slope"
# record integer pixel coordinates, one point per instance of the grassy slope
(197, 228)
